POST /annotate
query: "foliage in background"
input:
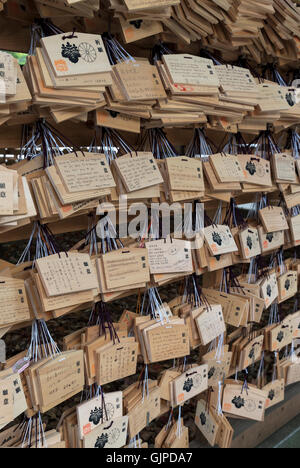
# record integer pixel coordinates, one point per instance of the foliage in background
(19, 56)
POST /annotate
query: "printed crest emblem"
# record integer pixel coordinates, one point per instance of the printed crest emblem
(271, 395)
(251, 168)
(280, 336)
(188, 385)
(238, 402)
(101, 441)
(249, 242)
(71, 52)
(203, 419)
(217, 238)
(96, 416)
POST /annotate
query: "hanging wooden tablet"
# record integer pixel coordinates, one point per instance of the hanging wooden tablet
(250, 352)
(139, 29)
(293, 372)
(214, 183)
(206, 422)
(170, 256)
(256, 170)
(281, 335)
(284, 167)
(66, 273)
(165, 381)
(273, 219)
(249, 242)
(235, 309)
(8, 74)
(177, 437)
(67, 198)
(82, 172)
(97, 411)
(272, 98)
(218, 365)
(167, 341)
(139, 81)
(210, 324)
(295, 318)
(287, 285)
(269, 289)
(76, 54)
(62, 301)
(185, 174)
(236, 80)
(118, 121)
(219, 240)
(126, 267)
(227, 168)
(116, 362)
(218, 262)
(270, 241)
(13, 301)
(294, 222)
(135, 5)
(19, 400)
(11, 436)
(112, 434)
(6, 193)
(60, 379)
(191, 383)
(185, 69)
(275, 391)
(6, 399)
(144, 412)
(138, 172)
(248, 404)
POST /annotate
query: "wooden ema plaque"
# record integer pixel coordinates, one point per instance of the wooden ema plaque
(138, 172)
(144, 412)
(112, 434)
(126, 267)
(185, 174)
(249, 241)
(98, 411)
(169, 256)
(115, 362)
(78, 55)
(191, 383)
(273, 219)
(60, 378)
(13, 301)
(219, 240)
(206, 422)
(6, 193)
(284, 167)
(275, 391)
(248, 404)
(210, 324)
(257, 171)
(186, 69)
(167, 341)
(269, 289)
(227, 168)
(140, 81)
(135, 5)
(66, 273)
(84, 171)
